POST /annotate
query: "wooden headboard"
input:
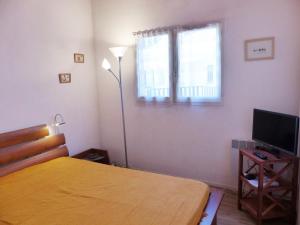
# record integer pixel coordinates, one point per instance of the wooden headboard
(23, 148)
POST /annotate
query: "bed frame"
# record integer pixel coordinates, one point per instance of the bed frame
(30, 146)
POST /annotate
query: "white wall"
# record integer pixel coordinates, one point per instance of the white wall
(194, 141)
(38, 39)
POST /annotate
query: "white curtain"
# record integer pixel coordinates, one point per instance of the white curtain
(153, 65)
(199, 64)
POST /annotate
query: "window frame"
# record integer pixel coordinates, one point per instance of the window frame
(173, 76)
(154, 100)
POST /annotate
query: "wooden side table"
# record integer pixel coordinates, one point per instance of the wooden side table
(271, 195)
(94, 155)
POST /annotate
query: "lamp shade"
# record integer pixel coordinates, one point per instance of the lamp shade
(118, 52)
(106, 65)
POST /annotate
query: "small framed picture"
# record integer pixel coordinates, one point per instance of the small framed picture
(64, 78)
(260, 49)
(78, 58)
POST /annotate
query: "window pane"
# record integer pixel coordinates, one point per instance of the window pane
(199, 65)
(153, 66)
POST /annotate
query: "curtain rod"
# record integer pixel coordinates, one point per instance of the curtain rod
(167, 28)
(156, 29)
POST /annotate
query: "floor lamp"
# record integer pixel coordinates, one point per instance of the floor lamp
(118, 52)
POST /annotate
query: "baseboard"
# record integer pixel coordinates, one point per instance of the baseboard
(210, 183)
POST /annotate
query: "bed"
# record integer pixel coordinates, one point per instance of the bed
(40, 184)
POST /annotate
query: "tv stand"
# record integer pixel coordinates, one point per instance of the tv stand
(271, 195)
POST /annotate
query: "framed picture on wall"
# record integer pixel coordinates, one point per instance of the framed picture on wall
(64, 78)
(260, 49)
(78, 58)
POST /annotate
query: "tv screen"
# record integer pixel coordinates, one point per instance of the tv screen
(277, 130)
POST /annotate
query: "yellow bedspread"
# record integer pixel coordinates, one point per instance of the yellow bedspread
(69, 191)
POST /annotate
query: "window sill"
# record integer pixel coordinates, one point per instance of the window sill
(170, 102)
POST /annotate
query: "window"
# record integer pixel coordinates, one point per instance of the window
(187, 61)
(199, 65)
(153, 67)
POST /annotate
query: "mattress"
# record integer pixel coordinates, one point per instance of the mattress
(68, 191)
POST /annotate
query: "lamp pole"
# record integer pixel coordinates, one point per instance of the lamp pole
(122, 108)
(106, 65)
(119, 52)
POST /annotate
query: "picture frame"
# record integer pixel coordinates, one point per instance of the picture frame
(64, 78)
(78, 58)
(260, 49)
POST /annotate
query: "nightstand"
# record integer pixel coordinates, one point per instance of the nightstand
(94, 155)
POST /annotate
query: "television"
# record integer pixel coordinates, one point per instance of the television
(276, 131)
